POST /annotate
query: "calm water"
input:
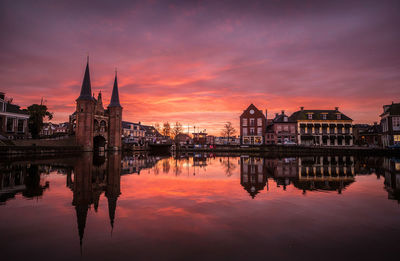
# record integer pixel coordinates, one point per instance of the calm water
(200, 207)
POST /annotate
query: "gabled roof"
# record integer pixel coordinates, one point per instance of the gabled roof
(280, 118)
(317, 115)
(256, 110)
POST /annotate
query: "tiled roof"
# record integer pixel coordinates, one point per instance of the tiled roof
(317, 115)
(281, 118)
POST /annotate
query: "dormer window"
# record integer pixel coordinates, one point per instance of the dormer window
(309, 116)
(285, 119)
(339, 116)
(324, 116)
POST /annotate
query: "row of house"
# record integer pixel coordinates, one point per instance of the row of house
(303, 127)
(318, 128)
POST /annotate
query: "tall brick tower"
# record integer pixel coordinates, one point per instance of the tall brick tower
(85, 106)
(115, 119)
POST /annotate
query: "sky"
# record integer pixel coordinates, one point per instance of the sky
(203, 62)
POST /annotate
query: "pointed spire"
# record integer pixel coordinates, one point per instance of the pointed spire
(86, 90)
(115, 96)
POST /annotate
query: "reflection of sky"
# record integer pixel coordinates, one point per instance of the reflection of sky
(207, 216)
(203, 62)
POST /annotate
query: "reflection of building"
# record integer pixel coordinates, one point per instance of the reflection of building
(95, 126)
(16, 179)
(89, 181)
(284, 171)
(253, 174)
(252, 126)
(13, 121)
(323, 127)
(392, 178)
(325, 173)
(137, 162)
(390, 122)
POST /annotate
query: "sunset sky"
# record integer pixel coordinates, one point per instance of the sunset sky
(203, 62)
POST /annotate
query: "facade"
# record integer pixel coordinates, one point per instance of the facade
(96, 127)
(390, 122)
(183, 139)
(281, 130)
(370, 136)
(13, 121)
(323, 127)
(252, 126)
(133, 133)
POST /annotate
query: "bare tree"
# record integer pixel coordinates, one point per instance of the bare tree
(177, 129)
(157, 127)
(228, 131)
(166, 130)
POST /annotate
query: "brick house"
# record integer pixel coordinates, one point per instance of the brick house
(252, 126)
(390, 122)
(281, 130)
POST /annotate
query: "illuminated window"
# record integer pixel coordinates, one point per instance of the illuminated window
(259, 122)
(396, 139)
(244, 131)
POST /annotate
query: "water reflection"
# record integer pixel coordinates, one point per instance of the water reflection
(91, 176)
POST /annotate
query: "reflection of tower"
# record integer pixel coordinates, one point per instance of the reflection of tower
(253, 175)
(82, 189)
(113, 189)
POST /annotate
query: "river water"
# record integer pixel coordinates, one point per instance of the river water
(200, 207)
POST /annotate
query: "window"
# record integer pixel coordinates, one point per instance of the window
(20, 127)
(324, 116)
(396, 139)
(339, 116)
(309, 116)
(251, 122)
(244, 131)
(251, 131)
(259, 122)
(1, 106)
(259, 131)
(396, 123)
(244, 122)
(10, 124)
(286, 128)
(285, 119)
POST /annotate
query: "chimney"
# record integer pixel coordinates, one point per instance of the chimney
(2, 95)
(266, 113)
(283, 112)
(302, 108)
(336, 108)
